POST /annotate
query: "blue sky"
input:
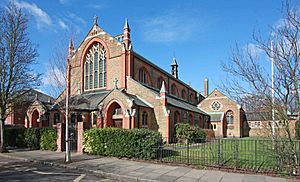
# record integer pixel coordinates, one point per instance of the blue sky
(200, 34)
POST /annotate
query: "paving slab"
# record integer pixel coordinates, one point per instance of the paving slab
(194, 173)
(141, 171)
(135, 174)
(229, 177)
(186, 179)
(209, 176)
(166, 178)
(181, 171)
(253, 178)
(150, 175)
(144, 170)
(275, 179)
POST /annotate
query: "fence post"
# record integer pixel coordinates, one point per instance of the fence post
(188, 152)
(160, 146)
(236, 153)
(219, 151)
(255, 152)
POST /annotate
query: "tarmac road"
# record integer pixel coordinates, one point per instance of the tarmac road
(19, 170)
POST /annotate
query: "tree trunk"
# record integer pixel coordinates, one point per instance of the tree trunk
(2, 147)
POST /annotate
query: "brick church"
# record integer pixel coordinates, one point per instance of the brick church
(111, 85)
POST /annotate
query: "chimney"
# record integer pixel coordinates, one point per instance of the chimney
(206, 89)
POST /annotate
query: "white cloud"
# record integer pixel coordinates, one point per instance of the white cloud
(41, 17)
(76, 18)
(168, 28)
(63, 1)
(62, 24)
(253, 50)
(95, 6)
(54, 77)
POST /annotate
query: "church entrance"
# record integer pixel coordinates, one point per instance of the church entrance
(115, 116)
(35, 119)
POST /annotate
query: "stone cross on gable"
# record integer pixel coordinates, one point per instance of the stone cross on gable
(95, 20)
(116, 83)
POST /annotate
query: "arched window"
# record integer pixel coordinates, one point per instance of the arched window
(143, 76)
(159, 82)
(201, 122)
(229, 117)
(191, 119)
(176, 117)
(191, 97)
(174, 90)
(56, 118)
(183, 94)
(144, 120)
(95, 67)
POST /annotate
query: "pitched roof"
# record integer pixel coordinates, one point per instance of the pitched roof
(184, 105)
(216, 116)
(84, 101)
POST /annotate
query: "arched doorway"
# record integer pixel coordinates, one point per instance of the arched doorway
(35, 119)
(115, 116)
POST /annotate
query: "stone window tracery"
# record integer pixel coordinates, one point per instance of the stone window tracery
(216, 105)
(95, 67)
(229, 117)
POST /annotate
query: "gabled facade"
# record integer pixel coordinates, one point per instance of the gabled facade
(29, 105)
(110, 85)
(226, 116)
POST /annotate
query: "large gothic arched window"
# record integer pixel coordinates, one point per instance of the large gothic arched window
(95, 67)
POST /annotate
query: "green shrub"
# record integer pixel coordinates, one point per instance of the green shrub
(32, 138)
(136, 143)
(48, 139)
(187, 133)
(14, 136)
(297, 128)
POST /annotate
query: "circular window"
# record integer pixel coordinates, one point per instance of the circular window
(215, 105)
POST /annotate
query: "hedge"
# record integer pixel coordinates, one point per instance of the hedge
(48, 139)
(134, 143)
(185, 132)
(32, 138)
(297, 128)
(14, 136)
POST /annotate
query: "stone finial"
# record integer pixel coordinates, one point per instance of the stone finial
(95, 20)
(71, 43)
(116, 83)
(126, 25)
(163, 87)
(36, 96)
(174, 62)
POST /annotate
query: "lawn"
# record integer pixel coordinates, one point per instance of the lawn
(261, 155)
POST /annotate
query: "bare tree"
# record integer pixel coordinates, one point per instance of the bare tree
(56, 73)
(252, 78)
(17, 54)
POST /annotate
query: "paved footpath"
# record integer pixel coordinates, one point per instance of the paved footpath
(137, 171)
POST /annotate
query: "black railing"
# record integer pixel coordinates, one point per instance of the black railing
(257, 155)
